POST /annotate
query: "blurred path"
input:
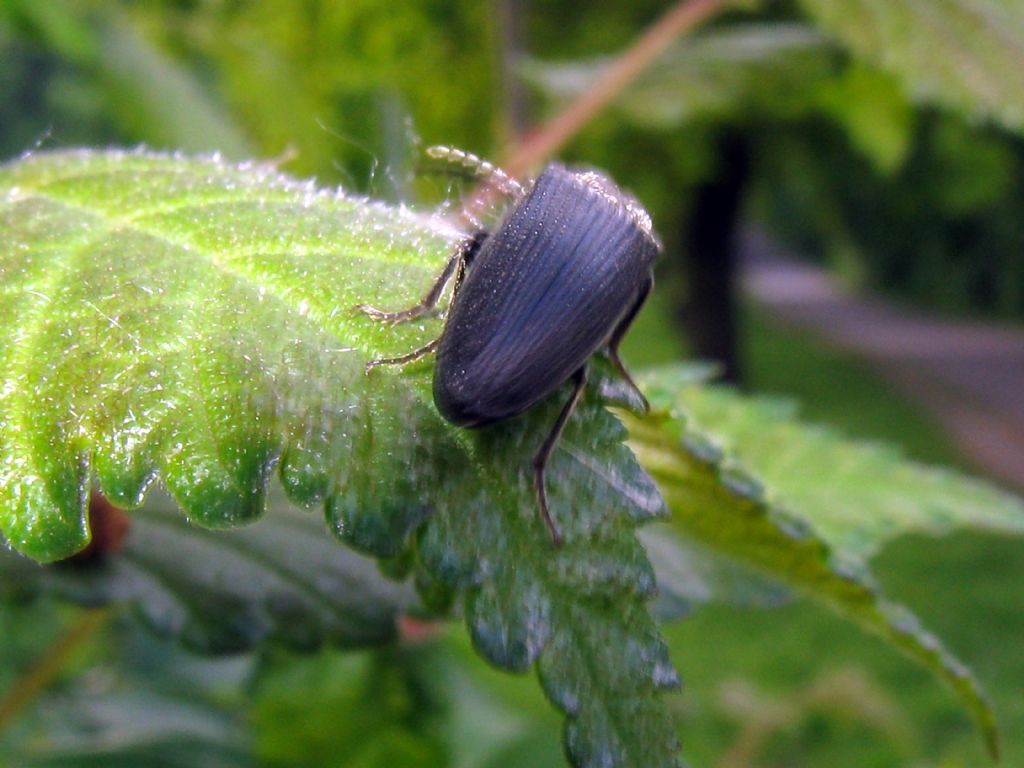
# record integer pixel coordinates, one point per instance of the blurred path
(968, 375)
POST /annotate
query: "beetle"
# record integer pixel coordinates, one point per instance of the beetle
(563, 276)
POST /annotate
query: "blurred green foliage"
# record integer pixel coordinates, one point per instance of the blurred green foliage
(341, 85)
(945, 228)
(924, 205)
(389, 705)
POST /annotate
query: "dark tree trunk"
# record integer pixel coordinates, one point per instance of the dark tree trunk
(710, 259)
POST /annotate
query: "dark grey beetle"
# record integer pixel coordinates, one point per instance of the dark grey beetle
(564, 276)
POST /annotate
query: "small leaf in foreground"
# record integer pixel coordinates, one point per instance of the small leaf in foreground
(800, 528)
(857, 495)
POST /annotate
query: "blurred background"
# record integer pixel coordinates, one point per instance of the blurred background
(835, 230)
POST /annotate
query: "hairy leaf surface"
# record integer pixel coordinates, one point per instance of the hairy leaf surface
(192, 322)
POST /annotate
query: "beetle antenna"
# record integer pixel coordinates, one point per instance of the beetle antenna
(478, 167)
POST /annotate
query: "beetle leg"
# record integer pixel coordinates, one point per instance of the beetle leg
(456, 264)
(425, 305)
(409, 357)
(540, 461)
(620, 331)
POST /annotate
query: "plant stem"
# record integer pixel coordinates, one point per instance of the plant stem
(549, 138)
(49, 664)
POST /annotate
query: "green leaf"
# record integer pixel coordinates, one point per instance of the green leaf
(690, 574)
(192, 321)
(967, 54)
(807, 508)
(857, 495)
(772, 69)
(281, 579)
(123, 730)
(163, 316)
(141, 702)
(869, 104)
(755, 71)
